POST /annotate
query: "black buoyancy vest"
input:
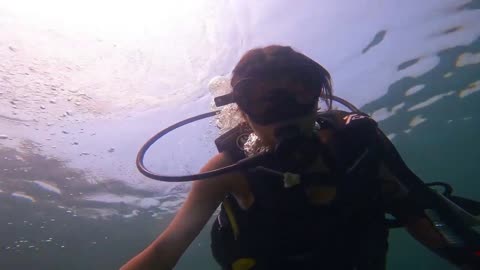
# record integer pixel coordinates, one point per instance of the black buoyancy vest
(283, 227)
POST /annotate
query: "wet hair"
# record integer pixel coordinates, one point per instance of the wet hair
(275, 61)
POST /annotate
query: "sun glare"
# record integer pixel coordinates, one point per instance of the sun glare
(106, 17)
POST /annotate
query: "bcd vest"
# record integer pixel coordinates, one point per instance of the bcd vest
(285, 229)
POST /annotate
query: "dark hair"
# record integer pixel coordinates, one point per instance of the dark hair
(277, 61)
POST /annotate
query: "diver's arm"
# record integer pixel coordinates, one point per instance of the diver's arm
(424, 232)
(407, 197)
(203, 199)
(404, 208)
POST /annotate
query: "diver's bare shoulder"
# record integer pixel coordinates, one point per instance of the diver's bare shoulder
(236, 183)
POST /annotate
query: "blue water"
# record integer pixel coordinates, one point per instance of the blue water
(70, 196)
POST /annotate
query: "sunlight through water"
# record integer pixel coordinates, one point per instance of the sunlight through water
(83, 85)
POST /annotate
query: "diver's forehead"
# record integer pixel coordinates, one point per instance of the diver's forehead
(290, 87)
(279, 83)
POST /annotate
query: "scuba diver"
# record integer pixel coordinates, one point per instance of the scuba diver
(311, 189)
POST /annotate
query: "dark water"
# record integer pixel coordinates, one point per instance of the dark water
(54, 216)
(444, 148)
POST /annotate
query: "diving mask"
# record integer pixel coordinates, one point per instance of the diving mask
(267, 103)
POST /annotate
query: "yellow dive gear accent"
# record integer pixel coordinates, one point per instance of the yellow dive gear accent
(231, 218)
(243, 264)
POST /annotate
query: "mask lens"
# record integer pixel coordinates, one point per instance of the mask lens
(266, 104)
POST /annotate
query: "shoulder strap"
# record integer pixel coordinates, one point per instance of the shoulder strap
(353, 133)
(338, 119)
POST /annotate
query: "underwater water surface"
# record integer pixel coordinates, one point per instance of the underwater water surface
(84, 85)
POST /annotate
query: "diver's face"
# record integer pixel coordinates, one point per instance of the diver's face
(266, 132)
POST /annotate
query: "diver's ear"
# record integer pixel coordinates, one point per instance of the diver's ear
(248, 121)
(317, 106)
(244, 115)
